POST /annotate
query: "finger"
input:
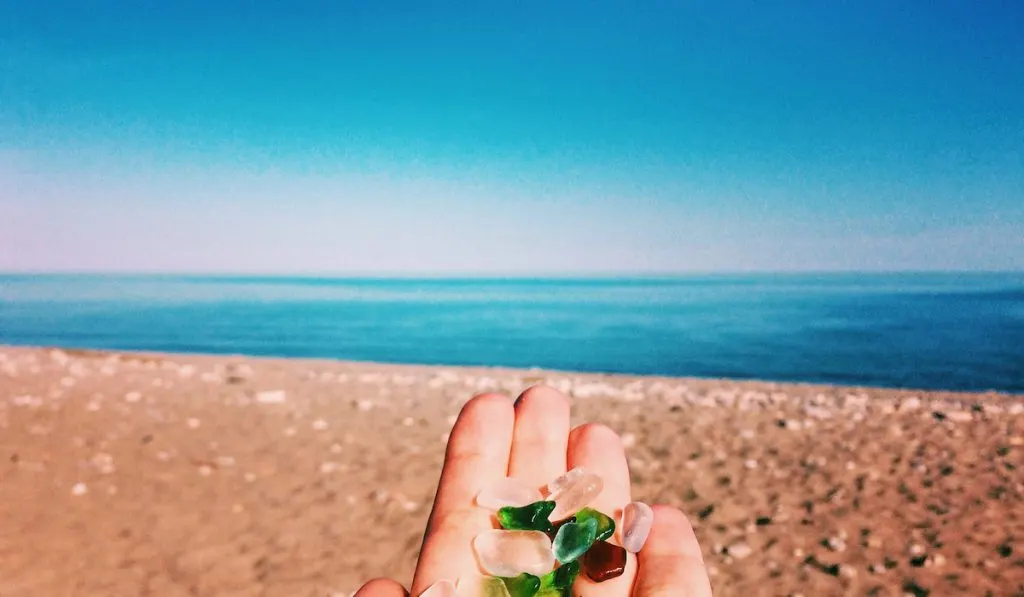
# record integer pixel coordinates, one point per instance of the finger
(381, 587)
(477, 455)
(671, 563)
(540, 437)
(599, 450)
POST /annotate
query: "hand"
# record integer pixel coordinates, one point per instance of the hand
(531, 441)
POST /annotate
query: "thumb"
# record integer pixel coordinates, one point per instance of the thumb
(381, 587)
(670, 563)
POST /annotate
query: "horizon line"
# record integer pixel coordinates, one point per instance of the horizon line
(355, 275)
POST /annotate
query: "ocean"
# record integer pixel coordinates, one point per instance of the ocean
(927, 331)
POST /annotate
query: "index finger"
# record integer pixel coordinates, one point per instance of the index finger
(477, 455)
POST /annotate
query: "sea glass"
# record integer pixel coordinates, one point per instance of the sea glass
(566, 479)
(574, 539)
(442, 588)
(524, 585)
(573, 491)
(604, 561)
(510, 553)
(532, 517)
(507, 491)
(555, 526)
(637, 519)
(493, 587)
(558, 583)
(605, 525)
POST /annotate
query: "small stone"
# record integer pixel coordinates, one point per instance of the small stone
(558, 583)
(79, 489)
(573, 491)
(836, 544)
(507, 491)
(637, 520)
(533, 517)
(442, 588)
(739, 550)
(574, 539)
(605, 525)
(524, 585)
(319, 425)
(604, 561)
(510, 553)
(193, 423)
(132, 397)
(271, 397)
(628, 440)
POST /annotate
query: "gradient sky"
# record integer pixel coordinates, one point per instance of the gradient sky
(511, 137)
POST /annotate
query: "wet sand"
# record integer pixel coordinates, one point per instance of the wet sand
(169, 475)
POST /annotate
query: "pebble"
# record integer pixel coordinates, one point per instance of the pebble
(739, 550)
(628, 440)
(912, 403)
(79, 489)
(271, 397)
(573, 491)
(507, 491)
(132, 397)
(319, 424)
(836, 544)
(637, 520)
(364, 405)
(103, 462)
(510, 553)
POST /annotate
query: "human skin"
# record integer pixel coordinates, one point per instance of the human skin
(530, 439)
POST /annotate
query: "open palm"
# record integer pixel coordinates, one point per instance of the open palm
(531, 440)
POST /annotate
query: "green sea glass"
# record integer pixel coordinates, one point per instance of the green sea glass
(605, 525)
(558, 582)
(524, 585)
(493, 587)
(531, 517)
(574, 539)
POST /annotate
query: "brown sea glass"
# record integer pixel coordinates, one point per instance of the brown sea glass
(604, 561)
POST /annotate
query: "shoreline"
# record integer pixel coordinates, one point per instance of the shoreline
(944, 393)
(140, 473)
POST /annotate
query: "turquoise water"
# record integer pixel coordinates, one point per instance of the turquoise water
(955, 331)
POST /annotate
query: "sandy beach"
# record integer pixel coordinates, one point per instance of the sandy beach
(169, 475)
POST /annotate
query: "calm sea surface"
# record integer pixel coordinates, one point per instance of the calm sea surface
(956, 331)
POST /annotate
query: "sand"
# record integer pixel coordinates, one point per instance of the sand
(171, 475)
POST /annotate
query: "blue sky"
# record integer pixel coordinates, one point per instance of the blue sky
(527, 137)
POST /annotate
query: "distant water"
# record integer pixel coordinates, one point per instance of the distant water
(940, 331)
